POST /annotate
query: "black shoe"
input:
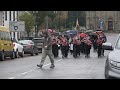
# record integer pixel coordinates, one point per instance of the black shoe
(63, 57)
(86, 56)
(52, 66)
(99, 56)
(102, 54)
(40, 66)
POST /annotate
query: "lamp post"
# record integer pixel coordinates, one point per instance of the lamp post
(55, 12)
(36, 23)
(47, 23)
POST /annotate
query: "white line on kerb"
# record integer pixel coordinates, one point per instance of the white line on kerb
(31, 70)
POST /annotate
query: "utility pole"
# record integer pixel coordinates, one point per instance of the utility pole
(95, 20)
(47, 23)
(59, 21)
(36, 22)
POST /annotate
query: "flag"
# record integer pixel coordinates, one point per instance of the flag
(77, 24)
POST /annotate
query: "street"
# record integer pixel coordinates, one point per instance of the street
(69, 68)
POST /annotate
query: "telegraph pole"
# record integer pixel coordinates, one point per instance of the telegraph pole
(47, 23)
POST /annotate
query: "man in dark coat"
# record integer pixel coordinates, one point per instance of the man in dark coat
(47, 46)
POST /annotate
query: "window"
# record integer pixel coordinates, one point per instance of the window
(118, 43)
(9, 36)
(17, 16)
(5, 35)
(6, 15)
(10, 15)
(0, 35)
(13, 15)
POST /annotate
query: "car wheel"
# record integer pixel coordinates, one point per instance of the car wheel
(106, 72)
(107, 77)
(40, 50)
(36, 52)
(13, 55)
(16, 54)
(22, 54)
(32, 52)
(2, 56)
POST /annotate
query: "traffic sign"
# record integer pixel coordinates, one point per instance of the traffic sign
(17, 26)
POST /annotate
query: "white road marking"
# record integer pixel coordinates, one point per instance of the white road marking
(32, 70)
(11, 78)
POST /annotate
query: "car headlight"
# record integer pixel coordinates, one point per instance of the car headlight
(115, 64)
(118, 64)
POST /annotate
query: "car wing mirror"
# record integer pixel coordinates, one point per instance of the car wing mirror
(107, 46)
(20, 43)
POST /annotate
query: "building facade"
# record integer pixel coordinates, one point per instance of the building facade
(106, 20)
(6, 17)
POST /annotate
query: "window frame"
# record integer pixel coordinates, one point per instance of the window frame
(5, 15)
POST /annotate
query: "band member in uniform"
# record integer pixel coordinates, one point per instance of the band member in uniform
(88, 45)
(82, 45)
(65, 47)
(71, 47)
(94, 38)
(76, 46)
(100, 41)
(104, 40)
(55, 48)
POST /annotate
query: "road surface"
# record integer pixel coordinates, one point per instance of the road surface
(70, 68)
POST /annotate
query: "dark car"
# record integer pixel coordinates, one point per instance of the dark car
(39, 43)
(112, 65)
(29, 47)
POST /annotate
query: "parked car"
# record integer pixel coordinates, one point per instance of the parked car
(18, 48)
(6, 44)
(39, 43)
(29, 47)
(112, 65)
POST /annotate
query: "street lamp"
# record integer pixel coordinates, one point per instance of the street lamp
(55, 12)
(36, 22)
(47, 23)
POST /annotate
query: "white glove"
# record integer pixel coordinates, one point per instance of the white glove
(45, 46)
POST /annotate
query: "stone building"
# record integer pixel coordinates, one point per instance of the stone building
(6, 17)
(106, 20)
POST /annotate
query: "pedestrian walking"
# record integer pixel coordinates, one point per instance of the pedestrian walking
(47, 46)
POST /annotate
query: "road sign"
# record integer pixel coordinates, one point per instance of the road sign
(17, 26)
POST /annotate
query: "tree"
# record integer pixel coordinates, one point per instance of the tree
(51, 19)
(39, 18)
(29, 22)
(60, 19)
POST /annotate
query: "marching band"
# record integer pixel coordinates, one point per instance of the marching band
(80, 43)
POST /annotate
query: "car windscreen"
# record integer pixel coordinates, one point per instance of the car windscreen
(26, 42)
(37, 40)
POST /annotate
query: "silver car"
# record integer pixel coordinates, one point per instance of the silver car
(112, 65)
